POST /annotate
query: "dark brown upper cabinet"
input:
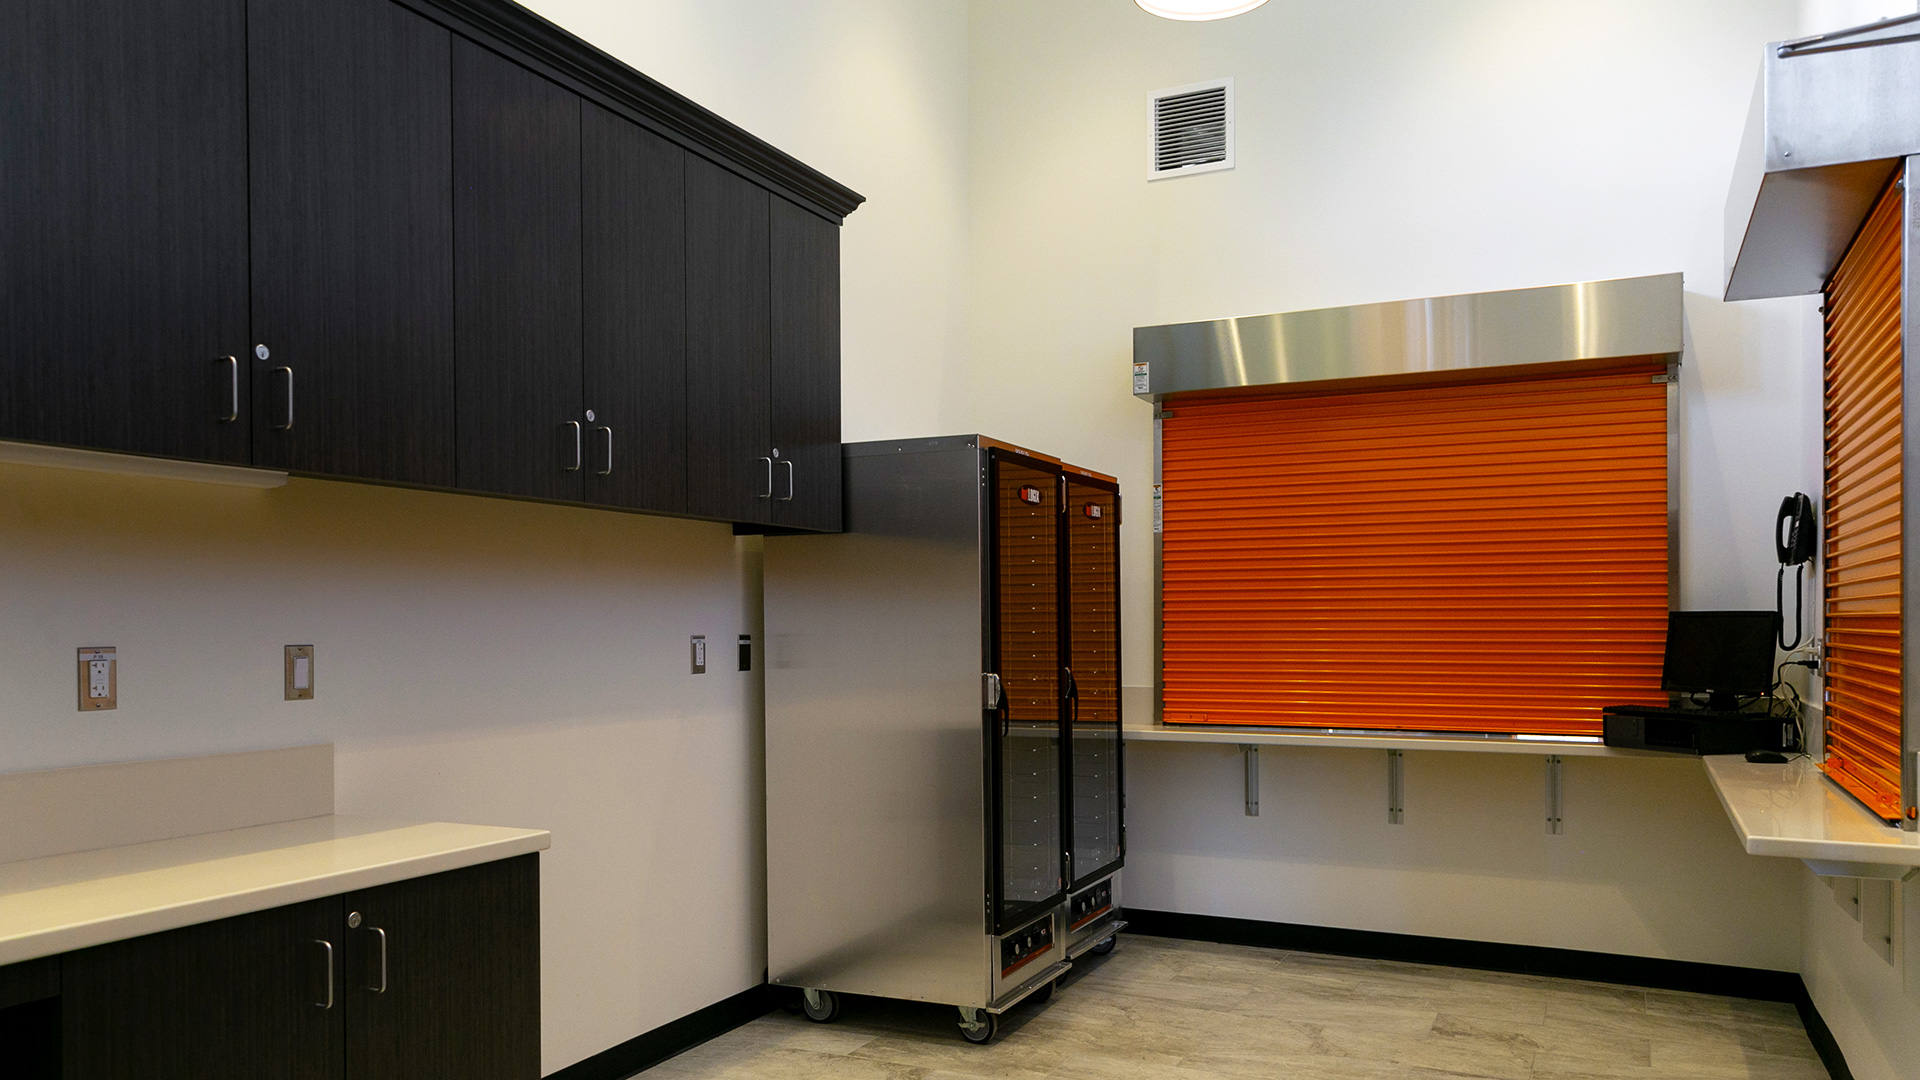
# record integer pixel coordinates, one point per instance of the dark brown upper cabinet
(634, 240)
(730, 464)
(805, 397)
(349, 108)
(123, 170)
(430, 242)
(516, 279)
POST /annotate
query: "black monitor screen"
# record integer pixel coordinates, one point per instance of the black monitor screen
(1729, 652)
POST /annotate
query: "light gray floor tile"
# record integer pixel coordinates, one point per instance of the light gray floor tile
(1179, 1010)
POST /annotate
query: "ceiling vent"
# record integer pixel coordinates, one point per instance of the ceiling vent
(1192, 129)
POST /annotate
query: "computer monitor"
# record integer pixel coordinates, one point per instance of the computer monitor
(1720, 653)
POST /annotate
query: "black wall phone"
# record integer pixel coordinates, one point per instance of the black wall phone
(1794, 534)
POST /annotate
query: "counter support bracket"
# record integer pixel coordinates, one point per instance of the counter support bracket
(1396, 787)
(1556, 793)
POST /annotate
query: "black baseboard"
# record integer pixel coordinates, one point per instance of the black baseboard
(1481, 955)
(1685, 975)
(646, 1051)
(1822, 1037)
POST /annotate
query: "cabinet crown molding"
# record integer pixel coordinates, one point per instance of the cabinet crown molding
(530, 38)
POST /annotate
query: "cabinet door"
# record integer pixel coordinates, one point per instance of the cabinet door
(516, 227)
(729, 444)
(123, 223)
(633, 191)
(352, 194)
(257, 997)
(805, 401)
(444, 976)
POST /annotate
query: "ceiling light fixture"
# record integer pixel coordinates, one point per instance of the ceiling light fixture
(1198, 10)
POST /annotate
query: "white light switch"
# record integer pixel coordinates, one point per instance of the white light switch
(299, 672)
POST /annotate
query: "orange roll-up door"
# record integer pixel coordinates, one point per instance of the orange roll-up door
(1863, 512)
(1487, 557)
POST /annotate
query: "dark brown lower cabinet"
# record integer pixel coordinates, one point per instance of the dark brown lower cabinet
(236, 998)
(444, 977)
(435, 977)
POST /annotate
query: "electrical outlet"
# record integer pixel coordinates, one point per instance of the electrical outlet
(699, 642)
(299, 672)
(99, 679)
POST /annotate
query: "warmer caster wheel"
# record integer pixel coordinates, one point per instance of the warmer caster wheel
(978, 1026)
(1045, 993)
(1105, 947)
(821, 1006)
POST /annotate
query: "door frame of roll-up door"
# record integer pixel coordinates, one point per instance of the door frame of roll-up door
(1909, 497)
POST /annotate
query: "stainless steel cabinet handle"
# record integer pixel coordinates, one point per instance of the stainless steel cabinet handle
(575, 425)
(606, 462)
(327, 945)
(767, 494)
(232, 398)
(788, 497)
(382, 987)
(288, 426)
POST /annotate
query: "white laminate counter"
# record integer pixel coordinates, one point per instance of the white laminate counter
(1793, 810)
(1137, 731)
(62, 902)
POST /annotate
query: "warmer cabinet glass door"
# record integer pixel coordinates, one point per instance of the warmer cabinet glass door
(1029, 864)
(1092, 524)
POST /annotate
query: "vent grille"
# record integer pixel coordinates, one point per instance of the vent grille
(1192, 129)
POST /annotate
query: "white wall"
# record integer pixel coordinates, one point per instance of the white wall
(1390, 150)
(490, 661)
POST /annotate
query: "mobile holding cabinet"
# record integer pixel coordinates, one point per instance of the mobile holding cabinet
(943, 739)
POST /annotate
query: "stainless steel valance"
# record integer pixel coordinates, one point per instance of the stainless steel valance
(1832, 118)
(1590, 321)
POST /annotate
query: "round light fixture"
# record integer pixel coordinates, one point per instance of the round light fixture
(1198, 10)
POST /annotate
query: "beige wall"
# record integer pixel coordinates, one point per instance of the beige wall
(490, 661)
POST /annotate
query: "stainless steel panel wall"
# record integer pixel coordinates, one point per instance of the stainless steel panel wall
(1587, 321)
(876, 806)
(1829, 124)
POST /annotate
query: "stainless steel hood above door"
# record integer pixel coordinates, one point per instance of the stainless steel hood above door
(1833, 116)
(1591, 323)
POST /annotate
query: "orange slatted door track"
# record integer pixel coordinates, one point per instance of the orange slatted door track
(1488, 557)
(1863, 513)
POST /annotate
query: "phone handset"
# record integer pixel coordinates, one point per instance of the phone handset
(1794, 533)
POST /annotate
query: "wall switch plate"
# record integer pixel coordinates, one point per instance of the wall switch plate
(699, 654)
(99, 679)
(299, 672)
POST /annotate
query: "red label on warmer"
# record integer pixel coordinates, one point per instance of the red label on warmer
(1030, 495)
(1094, 511)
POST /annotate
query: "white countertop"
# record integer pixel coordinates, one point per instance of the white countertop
(1793, 810)
(1571, 746)
(62, 902)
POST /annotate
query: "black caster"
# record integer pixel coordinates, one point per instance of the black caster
(820, 1006)
(978, 1026)
(1105, 947)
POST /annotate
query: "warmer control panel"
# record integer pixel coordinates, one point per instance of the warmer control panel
(1020, 947)
(1090, 904)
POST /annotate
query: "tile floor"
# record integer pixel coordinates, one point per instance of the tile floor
(1183, 1010)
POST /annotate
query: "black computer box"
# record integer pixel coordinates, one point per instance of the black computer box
(1705, 734)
